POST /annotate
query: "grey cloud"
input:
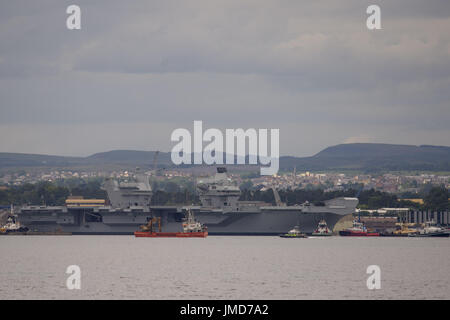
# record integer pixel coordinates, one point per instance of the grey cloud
(311, 69)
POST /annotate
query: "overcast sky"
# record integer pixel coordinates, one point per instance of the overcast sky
(137, 70)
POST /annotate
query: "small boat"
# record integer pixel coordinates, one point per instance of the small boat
(294, 233)
(358, 230)
(12, 225)
(322, 229)
(191, 229)
(403, 230)
(431, 230)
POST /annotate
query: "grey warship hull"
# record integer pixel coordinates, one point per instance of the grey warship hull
(275, 220)
(96, 221)
(266, 221)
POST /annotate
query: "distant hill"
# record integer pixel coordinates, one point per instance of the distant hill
(36, 160)
(130, 157)
(367, 157)
(373, 157)
(116, 158)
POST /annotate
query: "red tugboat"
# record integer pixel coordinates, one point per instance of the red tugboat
(191, 229)
(358, 230)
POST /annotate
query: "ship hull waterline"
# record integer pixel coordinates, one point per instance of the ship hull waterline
(358, 234)
(146, 234)
(229, 224)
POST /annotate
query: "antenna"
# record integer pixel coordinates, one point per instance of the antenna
(359, 191)
(155, 160)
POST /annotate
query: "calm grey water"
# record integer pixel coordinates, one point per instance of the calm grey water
(123, 267)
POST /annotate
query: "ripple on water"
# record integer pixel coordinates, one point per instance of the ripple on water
(120, 267)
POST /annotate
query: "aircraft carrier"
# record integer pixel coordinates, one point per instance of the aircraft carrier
(128, 207)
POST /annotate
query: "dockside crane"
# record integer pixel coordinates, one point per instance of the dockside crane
(276, 195)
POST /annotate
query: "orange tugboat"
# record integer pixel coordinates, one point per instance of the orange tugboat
(191, 229)
(358, 230)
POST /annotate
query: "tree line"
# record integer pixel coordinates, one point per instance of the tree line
(54, 194)
(50, 193)
(435, 199)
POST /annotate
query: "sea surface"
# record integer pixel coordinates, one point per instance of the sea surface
(124, 267)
